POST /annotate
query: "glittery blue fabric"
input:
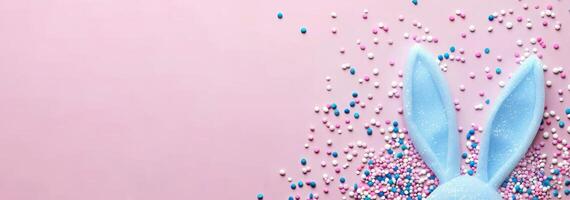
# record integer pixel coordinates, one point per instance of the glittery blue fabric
(510, 129)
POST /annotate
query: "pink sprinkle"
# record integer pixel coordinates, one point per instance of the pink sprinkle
(375, 30)
(556, 46)
(451, 18)
(478, 54)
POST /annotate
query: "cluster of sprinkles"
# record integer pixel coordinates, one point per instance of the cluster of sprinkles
(396, 171)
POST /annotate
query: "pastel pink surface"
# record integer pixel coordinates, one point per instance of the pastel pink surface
(204, 100)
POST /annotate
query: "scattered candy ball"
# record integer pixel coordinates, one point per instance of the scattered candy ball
(303, 30)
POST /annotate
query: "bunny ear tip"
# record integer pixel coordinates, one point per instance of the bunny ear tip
(533, 58)
(532, 65)
(533, 62)
(417, 51)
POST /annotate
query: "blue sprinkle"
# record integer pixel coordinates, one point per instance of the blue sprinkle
(491, 17)
(333, 106)
(472, 164)
(567, 183)
(471, 132)
(561, 124)
(346, 111)
(446, 55)
(546, 183)
(291, 198)
(336, 113)
(487, 50)
(452, 49)
(356, 115)
(498, 70)
(260, 196)
(470, 172)
(303, 29)
(440, 57)
(352, 70)
(464, 155)
(352, 104)
(487, 101)
(399, 155)
(555, 193)
(395, 123)
(300, 184)
(396, 130)
(369, 131)
(313, 184)
(342, 179)
(354, 94)
(380, 194)
(303, 161)
(567, 111)
(280, 15)
(556, 171)
(474, 145)
(567, 192)
(293, 186)
(415, 2)
(390, 151)
(334, 154)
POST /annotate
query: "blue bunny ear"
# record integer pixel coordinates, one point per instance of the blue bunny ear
(430, 115)
(513, 123)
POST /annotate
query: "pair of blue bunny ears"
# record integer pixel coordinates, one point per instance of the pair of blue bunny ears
(510, 129)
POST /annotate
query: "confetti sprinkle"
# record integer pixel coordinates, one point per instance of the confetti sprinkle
(395, 170)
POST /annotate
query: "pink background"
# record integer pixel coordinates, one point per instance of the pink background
(178, 99)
